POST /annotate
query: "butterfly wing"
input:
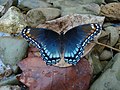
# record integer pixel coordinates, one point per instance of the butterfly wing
(46, 40)
(76, 39)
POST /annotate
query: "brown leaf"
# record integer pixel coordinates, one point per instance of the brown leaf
(38, 76)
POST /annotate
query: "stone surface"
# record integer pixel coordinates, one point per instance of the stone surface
(95, 62)
(4, 34)
(104, 63)
(61, 3)
(8, 87)
(30, 4)
(2, 10)
(12, 21)
(12, 50)
(111, 11)
(49, 13)
(72, 7)
(58, 2)
(110, 1)
(91, 8)
(105, 55)
(35, 17)
(110, 79)
(114, 34)
(5, 2)
(5, 70)
(40, 15)
(12, 80)
(92, 1)
(5, 5)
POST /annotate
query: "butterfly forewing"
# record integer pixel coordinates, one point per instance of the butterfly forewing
(47, 41)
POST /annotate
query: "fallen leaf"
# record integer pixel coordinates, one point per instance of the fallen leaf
(38, 76)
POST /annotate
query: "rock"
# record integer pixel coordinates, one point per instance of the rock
(81, 9)
(103, 34)
(92, 1)
(117, 26)
(12, 80)
(111, 11)
(15, 2)
(30, 4)
(2, 10)
(35, 70)
(4, 34)
(110, 79)
(7, 75)
(114, 34)
(104, 63)
(5, 4)
(40, 15)
(96, 64)
(59, 2)
(72, 7)
(49, 13)
(35, 17)
(105, 55)
(9, 87)
(118, 43)
(107, 24)
(5, 70)
(12, 21)
(110, 1)
(12, 50)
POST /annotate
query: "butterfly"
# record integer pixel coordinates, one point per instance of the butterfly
(69, 45)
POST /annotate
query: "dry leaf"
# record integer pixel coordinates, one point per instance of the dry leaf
(38, 76)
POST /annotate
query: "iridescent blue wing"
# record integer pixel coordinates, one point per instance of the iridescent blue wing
(46, 40)
(76, 39)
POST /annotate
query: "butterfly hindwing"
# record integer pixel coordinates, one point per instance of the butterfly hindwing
(47, 41)
(76, 39)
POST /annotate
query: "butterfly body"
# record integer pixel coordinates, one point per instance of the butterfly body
(69, 45)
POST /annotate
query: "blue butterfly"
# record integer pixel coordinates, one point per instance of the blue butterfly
(69, 45)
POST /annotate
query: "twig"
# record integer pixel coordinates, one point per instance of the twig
(118, 50)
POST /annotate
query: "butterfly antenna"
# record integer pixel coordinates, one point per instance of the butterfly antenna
(96, 41)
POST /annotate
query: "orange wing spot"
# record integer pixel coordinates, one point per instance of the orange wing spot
(94, 28)
(28, 34)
